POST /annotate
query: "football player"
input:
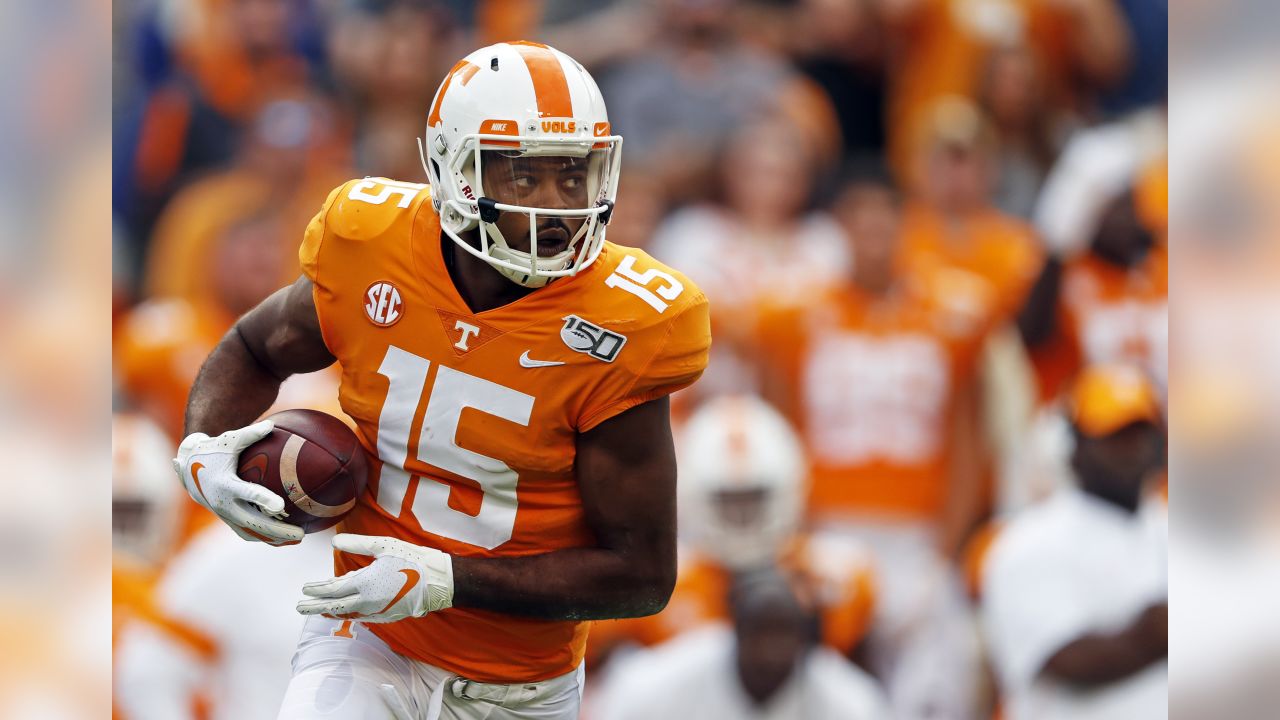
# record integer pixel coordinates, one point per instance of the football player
(879, 381)
(742, 495)
(508, 371)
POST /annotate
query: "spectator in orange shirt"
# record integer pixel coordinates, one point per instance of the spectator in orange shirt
(879, 379)
(983, 259)
(938, 48)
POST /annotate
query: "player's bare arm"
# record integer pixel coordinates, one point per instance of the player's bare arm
(241, 377)
(626, 476)
(1102, 658)
(626, 473)
(237, 383)
(1037, 319)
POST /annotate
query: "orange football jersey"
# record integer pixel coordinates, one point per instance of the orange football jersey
(981, 267)
(1108, 314)
(133, 589)
(472, 417)
(942, 46)
(841, 585)
(870, 383)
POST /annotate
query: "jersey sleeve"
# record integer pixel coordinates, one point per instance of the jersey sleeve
(313, 238)
(681, 347)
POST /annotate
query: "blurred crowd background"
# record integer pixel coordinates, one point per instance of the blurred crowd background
(934, 234)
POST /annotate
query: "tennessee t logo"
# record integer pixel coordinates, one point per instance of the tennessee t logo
(467, 331)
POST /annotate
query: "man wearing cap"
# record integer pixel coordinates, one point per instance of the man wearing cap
(1075, 592)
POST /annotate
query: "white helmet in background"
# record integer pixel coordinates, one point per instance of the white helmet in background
(146, 499)
(742, 481)
(520, 100)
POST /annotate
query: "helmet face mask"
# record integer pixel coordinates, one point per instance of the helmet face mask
(745, 525)
(743, 508)
(493, 154)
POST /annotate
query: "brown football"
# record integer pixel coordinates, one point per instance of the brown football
(314, 462)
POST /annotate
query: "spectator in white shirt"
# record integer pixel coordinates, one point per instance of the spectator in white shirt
(1075, 592)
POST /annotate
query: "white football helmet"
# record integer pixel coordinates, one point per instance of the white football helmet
(743, 481)
(145, 498)
(521, 100)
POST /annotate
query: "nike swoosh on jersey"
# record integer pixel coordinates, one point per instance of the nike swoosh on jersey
(526, 361)
(411, 579)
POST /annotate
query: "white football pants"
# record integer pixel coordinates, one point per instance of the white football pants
(336, 677)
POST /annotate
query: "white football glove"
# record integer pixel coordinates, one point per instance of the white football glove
(405, 580)
(207, 467)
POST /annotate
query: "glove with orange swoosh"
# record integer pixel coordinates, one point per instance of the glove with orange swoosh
(405, 580)
(207, 467)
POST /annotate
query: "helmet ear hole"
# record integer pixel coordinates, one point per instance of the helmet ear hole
(435, 172)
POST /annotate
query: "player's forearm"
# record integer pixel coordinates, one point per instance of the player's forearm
(572, 584)
(1103, 658)
(967, 502)
(1099, 660)
(232, 389)
(1036, 321)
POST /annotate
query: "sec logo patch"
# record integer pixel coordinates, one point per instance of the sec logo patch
(383, 305)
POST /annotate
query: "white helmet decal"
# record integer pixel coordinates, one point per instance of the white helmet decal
(523, 100)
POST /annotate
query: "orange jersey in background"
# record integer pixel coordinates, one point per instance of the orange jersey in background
(1108, 314)
(870, 383)
(474, 416)
(942, 47)
(158, 350)
(133, 599)
(978, 269)
(839, 583)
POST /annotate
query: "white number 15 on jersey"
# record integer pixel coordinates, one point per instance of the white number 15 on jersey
(452, 391)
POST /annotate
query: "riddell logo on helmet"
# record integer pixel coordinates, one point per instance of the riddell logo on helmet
(559, 126)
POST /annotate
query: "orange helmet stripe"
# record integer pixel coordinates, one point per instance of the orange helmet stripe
(549, 83)
(463, 68)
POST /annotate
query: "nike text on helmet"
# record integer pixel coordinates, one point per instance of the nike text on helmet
(523, 100)
(742, 481)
